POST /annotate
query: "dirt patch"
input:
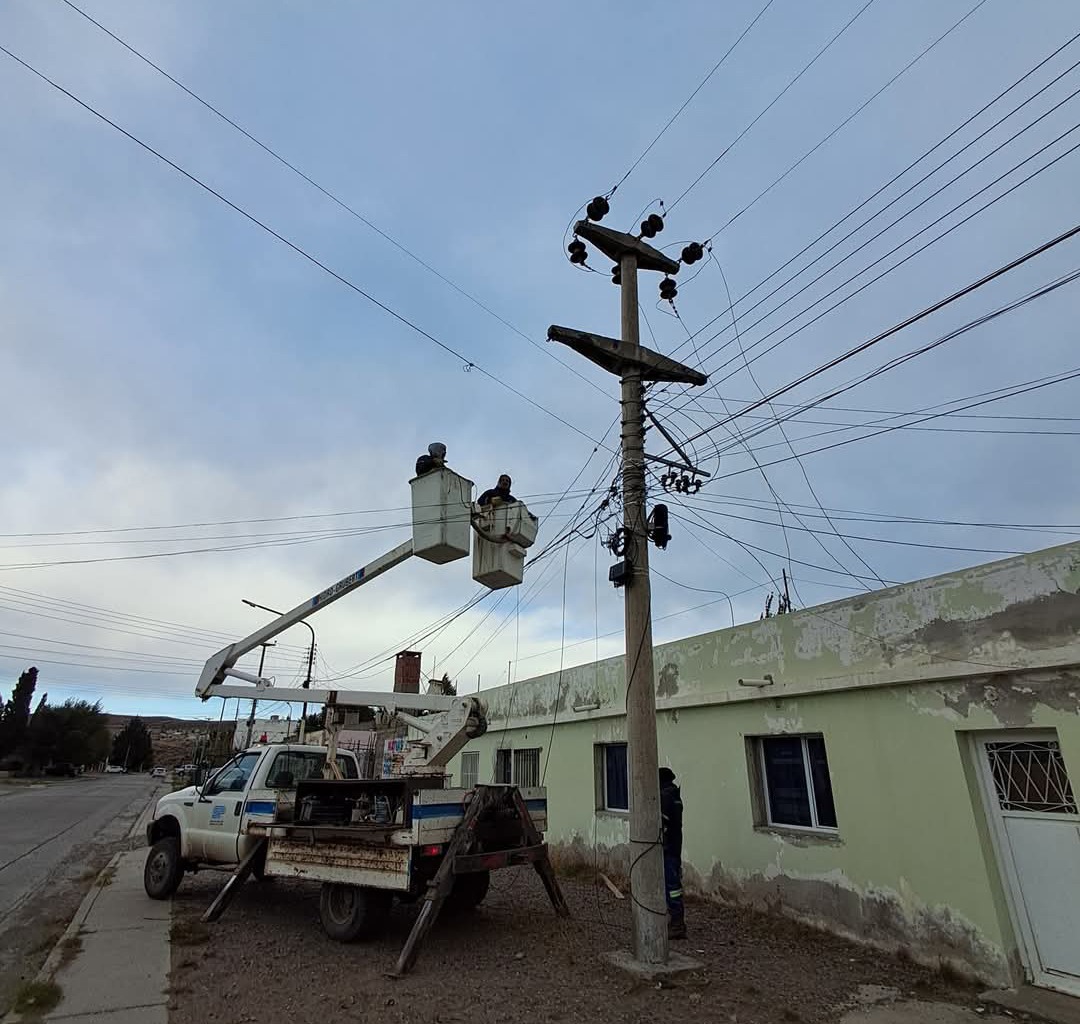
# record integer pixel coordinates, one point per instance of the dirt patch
(267, 959)
(34, 998)
(188, 931)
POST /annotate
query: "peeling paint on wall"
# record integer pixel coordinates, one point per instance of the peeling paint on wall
(668, 684)
(875, 916)
(1013, 703)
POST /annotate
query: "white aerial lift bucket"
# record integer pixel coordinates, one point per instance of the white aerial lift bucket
(441, 509)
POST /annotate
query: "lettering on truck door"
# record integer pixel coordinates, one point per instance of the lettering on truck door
(220, 810)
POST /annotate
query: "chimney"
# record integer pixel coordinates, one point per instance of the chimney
(407, 672)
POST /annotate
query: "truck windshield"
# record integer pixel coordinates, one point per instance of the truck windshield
(234, 776)
(293, 766)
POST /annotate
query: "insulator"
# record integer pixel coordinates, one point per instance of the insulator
(577, 251)
(616, 274)
(647, 230)
(656, 222)
(692, 253)
(668, 291)
(597, 208)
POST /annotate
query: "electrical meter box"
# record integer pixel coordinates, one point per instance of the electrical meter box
(503, 532)
(441, 510)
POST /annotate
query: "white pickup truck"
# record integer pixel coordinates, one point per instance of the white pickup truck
(210, 824)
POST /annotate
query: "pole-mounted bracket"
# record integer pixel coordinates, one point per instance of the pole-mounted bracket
(616, 244)
(618, 357)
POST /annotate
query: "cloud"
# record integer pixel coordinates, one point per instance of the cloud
(165, 361)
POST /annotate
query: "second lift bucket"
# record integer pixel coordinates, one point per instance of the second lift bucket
(441, 505)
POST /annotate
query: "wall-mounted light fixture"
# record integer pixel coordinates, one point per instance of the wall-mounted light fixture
(767, 681)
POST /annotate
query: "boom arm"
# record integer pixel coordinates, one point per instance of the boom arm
(458, 719)
(221, 664)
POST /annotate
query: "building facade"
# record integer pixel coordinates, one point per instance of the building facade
(900, 767)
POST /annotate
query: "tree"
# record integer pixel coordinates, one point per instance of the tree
(15, 715)
(74, 732)
(132, 746)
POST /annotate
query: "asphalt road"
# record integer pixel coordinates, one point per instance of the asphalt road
(41, 825)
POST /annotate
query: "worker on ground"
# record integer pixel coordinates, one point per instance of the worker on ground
(435, 458)
(499, 494)
(671, 817)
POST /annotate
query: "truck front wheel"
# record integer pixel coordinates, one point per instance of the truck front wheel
(163, 869)
(350, 912)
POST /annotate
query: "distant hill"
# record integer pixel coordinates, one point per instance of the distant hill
(175, 739)
(155, 723)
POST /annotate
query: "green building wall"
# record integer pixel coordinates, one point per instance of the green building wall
(897, 682)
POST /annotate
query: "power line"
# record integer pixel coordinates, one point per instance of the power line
(900, 174)
(923, 349)
(701, 85)
(787, 440)
(892, 519)
(906, 241)
(445, 621)
(466, 362)
(731, 145)
(767, 551)
(914, 318)
(1072, 375)
(878, 540)
(333, 197)
(171, 631)
(1033, 418)
(847, 120)
(540, 498)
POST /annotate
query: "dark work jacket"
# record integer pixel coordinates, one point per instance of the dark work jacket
(494, 492)
(671, 813)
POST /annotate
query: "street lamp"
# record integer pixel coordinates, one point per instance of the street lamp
(310, 658)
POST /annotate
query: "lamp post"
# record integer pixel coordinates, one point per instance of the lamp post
(310, 659)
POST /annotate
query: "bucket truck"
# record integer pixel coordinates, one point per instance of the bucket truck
(300, 811)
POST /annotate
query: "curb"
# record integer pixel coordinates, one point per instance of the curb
(53, 960)
(138, 828)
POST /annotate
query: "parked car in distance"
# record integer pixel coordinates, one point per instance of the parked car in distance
(114, 769)
(159, 773)
(62, 768)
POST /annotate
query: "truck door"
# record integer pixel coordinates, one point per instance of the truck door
(218, 811)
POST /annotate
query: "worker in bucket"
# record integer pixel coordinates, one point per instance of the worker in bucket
(499, 494)
(671, 809)
(435, 458)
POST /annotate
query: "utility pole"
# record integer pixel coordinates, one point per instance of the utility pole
(251, 717)
(310, 660)
(634, 365)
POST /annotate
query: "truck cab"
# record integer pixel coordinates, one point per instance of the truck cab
(209, 824)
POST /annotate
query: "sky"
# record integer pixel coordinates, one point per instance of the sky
(167, 361)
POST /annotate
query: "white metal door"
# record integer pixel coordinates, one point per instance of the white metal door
(1038, 837)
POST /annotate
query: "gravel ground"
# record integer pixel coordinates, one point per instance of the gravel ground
(268, 960)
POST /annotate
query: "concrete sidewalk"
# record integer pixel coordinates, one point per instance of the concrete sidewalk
(112, 965)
